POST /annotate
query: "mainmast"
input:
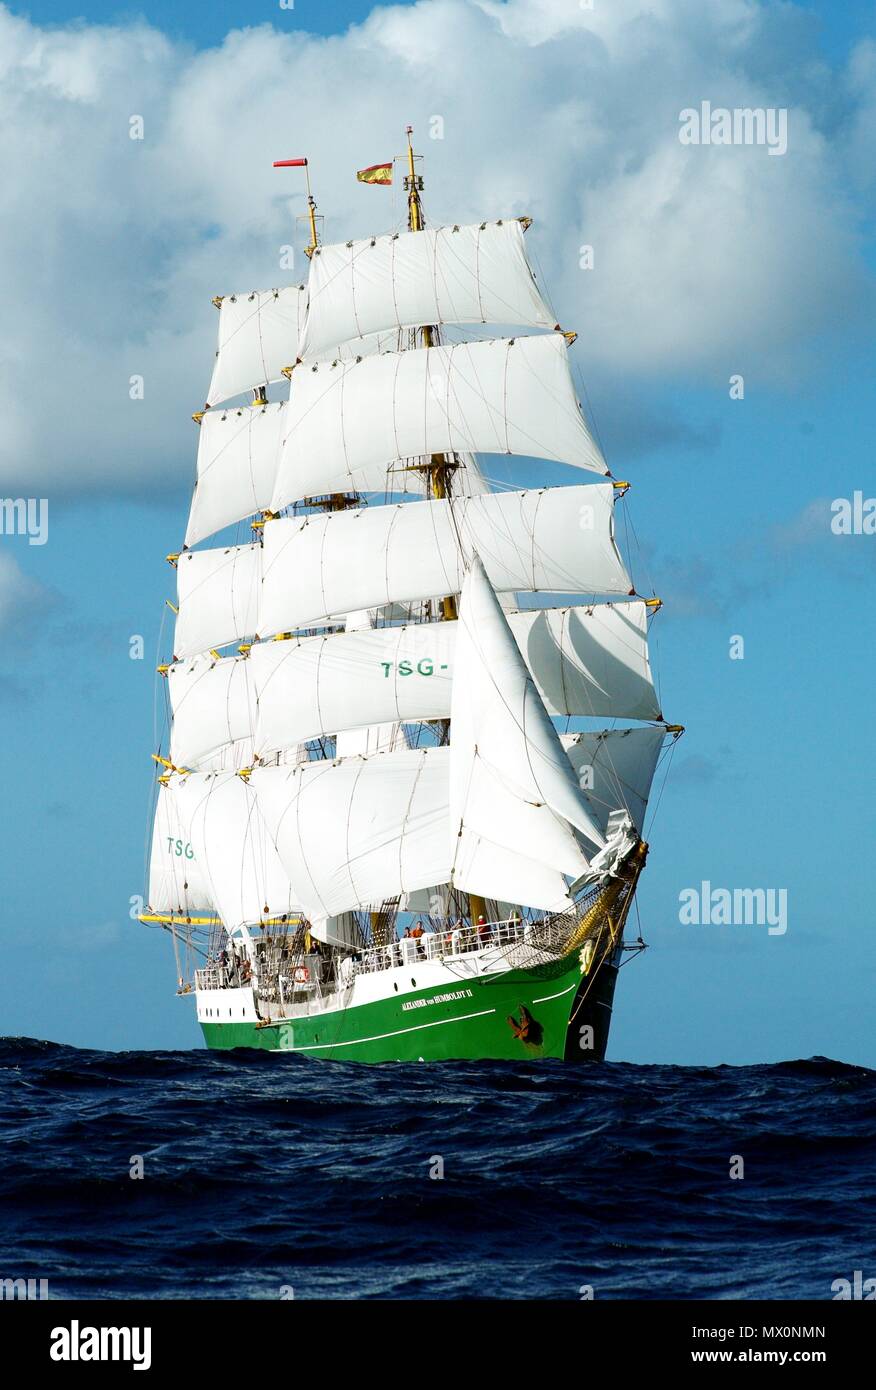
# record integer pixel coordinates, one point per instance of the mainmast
(336, 501)
(440, 470)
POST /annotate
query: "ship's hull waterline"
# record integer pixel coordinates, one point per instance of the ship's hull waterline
(555, 1010)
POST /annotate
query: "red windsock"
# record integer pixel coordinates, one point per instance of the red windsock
(289, 163)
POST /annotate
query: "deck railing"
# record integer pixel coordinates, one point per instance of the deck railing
(307, 977)
(456, 941)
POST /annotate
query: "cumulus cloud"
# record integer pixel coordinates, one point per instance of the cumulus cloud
(708, 261)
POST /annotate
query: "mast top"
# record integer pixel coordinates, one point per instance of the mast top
(413, 185)
(311, 205)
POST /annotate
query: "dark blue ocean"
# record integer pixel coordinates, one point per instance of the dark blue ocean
(264, 1173)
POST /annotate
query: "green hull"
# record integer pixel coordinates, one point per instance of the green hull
(570, 1014)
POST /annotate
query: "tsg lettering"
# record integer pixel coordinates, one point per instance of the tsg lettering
(424, 667)
(179, 848)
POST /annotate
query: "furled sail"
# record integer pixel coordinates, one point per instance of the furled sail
(237, 856)
(258, 338)
(177, 881)
(476, 274)
(615, 769)
(352, 833)
(214, 711)
(347, 420)
(511, 783)
(218, 592)
(238, 453)
(584, 661)
(555, 539)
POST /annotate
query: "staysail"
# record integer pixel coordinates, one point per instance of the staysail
(512, 789)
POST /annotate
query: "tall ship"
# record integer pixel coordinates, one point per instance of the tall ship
(390, 823)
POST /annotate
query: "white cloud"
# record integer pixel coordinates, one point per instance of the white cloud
(708, 261)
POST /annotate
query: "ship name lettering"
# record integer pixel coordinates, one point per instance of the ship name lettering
(446, 998)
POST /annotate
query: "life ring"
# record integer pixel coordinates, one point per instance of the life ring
(301, 975)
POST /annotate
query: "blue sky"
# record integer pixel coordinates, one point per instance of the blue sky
(752, 265)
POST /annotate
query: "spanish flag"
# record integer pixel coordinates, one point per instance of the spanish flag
(378, 173)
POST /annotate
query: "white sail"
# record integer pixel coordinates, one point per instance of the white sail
(346, 421)
(238, 459)
(511, 783)
(236, 854)
(238, 454)
(615, 769)
(350, 680)
(476, 274)
(590, 661)
(258, 338)
(218, 596)
(177, 882)
(555, 539)
(352, 833)
(584, 661)
(214, 712)
(363, 736)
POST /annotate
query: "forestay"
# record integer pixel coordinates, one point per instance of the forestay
(556, 540)
(476, 274)
(346, 421)
(258, 338)
(355, 832)
(218, 593)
